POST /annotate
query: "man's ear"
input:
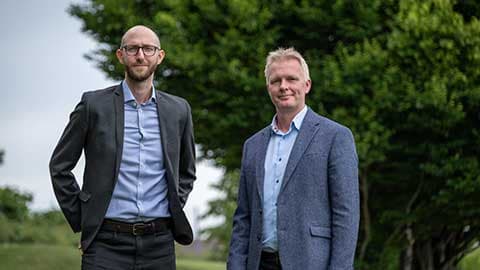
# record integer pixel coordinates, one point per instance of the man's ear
(308, 84)
(119, 54)
(161, 56)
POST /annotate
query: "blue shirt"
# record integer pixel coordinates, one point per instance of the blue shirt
(140, 193)
(278, 152)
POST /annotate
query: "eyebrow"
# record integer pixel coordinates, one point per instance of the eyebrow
(143, 45)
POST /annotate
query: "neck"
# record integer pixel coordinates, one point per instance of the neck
(142, 91)
(285, 118)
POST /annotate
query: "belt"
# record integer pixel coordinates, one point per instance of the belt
(270, 255)
(138, 228)
(272, 259)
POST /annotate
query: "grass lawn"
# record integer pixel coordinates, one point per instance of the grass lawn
(49, 257)
(471, 261)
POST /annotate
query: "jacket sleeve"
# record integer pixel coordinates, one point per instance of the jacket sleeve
(187, 159)
(344, 197)
(63, 160)
(239, 243)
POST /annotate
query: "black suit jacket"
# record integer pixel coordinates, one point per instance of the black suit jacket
(96, 126)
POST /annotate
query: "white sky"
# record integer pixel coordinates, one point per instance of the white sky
(43, 76)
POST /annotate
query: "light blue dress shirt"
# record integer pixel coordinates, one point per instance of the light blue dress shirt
(140, 193)
(278, 152)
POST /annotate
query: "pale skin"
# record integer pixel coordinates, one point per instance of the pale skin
(140, 65)
(287, 87)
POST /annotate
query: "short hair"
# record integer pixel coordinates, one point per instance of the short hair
(283, 54)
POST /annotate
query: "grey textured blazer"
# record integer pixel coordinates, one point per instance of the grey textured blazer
(96, 126)
(318, 203)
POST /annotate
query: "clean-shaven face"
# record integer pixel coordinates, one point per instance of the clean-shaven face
(287, 85)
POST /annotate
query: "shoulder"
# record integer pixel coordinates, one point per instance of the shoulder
(326, 124)
(172, 99)
(258, 136)
(100, 93)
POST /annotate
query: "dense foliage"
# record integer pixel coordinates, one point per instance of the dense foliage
(19, 225)
(403, 75)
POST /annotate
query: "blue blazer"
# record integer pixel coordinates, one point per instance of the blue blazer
(318, 203)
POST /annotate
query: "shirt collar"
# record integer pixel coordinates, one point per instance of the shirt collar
(296, 122)
(128, 96)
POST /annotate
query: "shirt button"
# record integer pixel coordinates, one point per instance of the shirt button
(276, 180)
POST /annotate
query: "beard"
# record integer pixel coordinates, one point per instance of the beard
(140, 76)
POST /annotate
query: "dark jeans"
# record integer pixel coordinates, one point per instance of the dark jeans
(125, 251)
(270, 261)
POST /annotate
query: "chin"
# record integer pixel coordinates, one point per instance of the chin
(285, 105)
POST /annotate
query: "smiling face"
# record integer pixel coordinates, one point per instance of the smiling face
(140, 67)
(287, 85)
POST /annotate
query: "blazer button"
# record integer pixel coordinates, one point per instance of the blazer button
(259, 238)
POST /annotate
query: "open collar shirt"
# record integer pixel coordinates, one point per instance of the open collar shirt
(140, 193)
(279, 147)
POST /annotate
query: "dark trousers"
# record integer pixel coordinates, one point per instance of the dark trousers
(113, 250)
(270, 261)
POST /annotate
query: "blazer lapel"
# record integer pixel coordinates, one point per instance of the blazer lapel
(307, 131)
(260, 158)
(162, 112)
(119, 126)
(182, 231)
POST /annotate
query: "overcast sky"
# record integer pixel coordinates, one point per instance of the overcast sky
(43, 76)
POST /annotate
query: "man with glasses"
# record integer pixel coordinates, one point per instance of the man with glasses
(139, 166)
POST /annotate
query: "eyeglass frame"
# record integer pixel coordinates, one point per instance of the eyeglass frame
(141, 47)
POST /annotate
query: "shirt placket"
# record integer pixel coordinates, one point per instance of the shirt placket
(277, 166)
(141, 159)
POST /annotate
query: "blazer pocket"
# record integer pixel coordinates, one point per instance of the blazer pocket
(84, 196)
(314, 154)
(321, 231)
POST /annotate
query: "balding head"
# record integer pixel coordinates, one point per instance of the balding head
(140, 32)
(140, 53)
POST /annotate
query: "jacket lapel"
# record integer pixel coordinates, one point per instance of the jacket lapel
(260, 159)
(119, 126)
(182, 231)
(162, 112)
(307, 131)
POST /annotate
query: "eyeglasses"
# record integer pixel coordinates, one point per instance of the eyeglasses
(147, 50)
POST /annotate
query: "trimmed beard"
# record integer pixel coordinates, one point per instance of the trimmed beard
(140, 77)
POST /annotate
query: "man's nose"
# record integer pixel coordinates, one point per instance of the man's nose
(140, 54)
(283, 84)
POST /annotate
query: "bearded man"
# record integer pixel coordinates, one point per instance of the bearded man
(139, 166)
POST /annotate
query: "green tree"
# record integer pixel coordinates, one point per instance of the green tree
(401, 74)
(412, 99)
(14, 204)
(215, 59)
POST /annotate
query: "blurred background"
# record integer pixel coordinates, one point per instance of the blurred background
(403, 75)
